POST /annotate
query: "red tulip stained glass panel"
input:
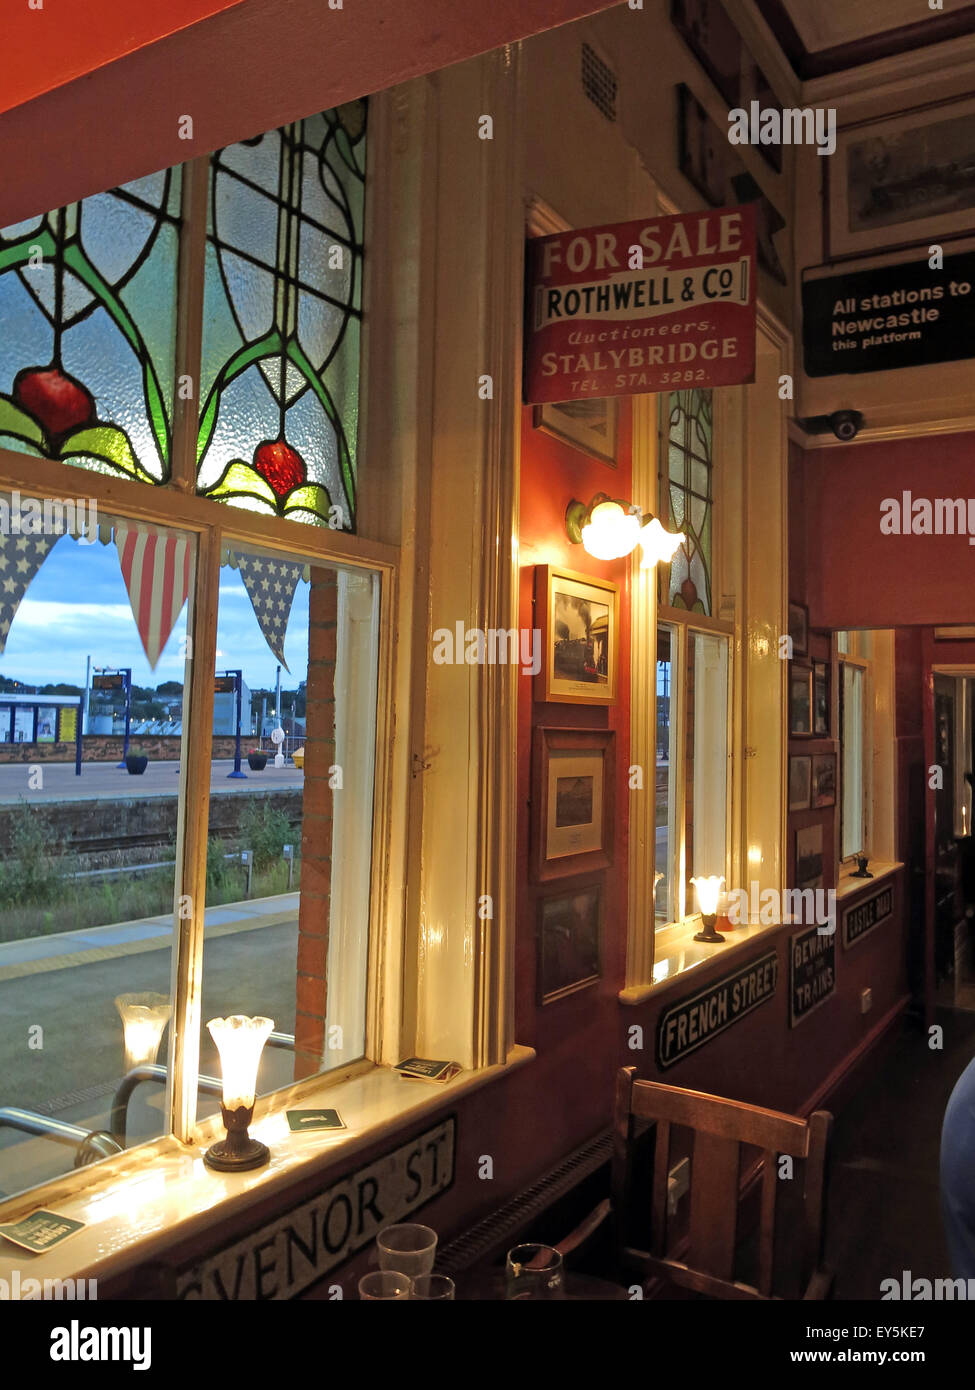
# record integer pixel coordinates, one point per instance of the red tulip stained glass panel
(282, 307)
(88, 330)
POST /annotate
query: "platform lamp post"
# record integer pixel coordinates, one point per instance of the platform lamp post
(127, 687)
(238, 679)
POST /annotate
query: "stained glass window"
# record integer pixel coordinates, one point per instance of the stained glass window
(686, 461)
(282, 310)
(88, 330)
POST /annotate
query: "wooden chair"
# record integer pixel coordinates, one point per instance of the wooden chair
(720, 1127)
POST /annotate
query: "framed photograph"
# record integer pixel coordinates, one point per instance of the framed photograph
(715, 42)
(799, 628)
(800, 772)
(570, 925)
(704, 155)
(809, 857)
(905, 180)
(821, 693)
(824, 779)
(800, 702)
(710, 163)
(572, 795)
(579, 620)
(755, 86)
(588, 425)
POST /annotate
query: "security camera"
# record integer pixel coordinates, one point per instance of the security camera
(846, 424)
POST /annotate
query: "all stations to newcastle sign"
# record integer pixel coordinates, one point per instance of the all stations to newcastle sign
(641, 306)
(905, 315)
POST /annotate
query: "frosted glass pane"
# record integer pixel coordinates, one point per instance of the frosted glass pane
(281, 304)
(88, 306)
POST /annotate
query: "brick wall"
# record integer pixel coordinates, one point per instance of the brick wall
(316, 830)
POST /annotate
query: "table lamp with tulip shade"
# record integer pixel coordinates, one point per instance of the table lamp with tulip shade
(708, 892)
(240, 1041)
(144, 1017)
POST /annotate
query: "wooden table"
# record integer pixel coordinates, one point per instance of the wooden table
(487, 1285)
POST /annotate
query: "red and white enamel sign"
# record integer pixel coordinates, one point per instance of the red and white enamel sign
(641, 306)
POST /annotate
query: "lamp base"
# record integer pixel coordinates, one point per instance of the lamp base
(709, 934)
(228, 1158)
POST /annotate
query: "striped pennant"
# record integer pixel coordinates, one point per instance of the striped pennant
(156, 570)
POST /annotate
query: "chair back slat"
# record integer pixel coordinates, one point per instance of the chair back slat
(814, 1205)
(727, 1119)
(661, 1172)
(766, 1224)
(714, 1205)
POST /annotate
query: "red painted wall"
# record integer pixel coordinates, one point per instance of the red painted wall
(48, 46)
(861, 578)
(250, 68)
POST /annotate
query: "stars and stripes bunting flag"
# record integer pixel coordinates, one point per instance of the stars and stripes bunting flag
(271, 585)
(20, 559)
(156, 570)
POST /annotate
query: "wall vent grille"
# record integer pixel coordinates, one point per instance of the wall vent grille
(599, 82)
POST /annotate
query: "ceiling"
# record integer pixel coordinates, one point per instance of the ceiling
(827, 36)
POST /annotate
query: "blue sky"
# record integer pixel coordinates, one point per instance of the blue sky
(77, 605)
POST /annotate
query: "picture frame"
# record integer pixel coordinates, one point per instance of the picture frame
(710, 164)
(714, 41)
(569, 939)
(799, 628)
(800, 702)
(821, 699)
(903, 180)
(578, 616)
(573, 800)
(954, 634)
(809, 857)
(823, 779)
(800, 782)
(589, 425)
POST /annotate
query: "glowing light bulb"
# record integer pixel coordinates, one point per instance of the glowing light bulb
(658, 544)
(610, 532)
(708, 892)
(240, 1041)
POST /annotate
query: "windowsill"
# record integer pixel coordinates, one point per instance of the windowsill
(682, 954)
(880, 869)
(161, 1193)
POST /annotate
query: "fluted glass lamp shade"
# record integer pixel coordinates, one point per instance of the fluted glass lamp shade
(610, 532)
(144, 1018)
(240, 1041)
(658, 544)
(708, 891)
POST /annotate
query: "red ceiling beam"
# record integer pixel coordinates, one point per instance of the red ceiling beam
(249, 68)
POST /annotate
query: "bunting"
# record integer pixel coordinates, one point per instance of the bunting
(156, 569)
(270, 586)
(21, 556)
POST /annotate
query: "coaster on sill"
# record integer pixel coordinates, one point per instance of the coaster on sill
(314, 1119)
(41, 1231)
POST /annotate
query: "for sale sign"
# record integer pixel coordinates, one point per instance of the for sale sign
(641, 306)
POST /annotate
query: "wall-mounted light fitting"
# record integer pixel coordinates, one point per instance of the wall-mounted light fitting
(609, 528)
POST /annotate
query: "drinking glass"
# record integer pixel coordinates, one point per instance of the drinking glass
(408, 1248)
(432, 1286)
(533, 1271)
(384, 1284)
